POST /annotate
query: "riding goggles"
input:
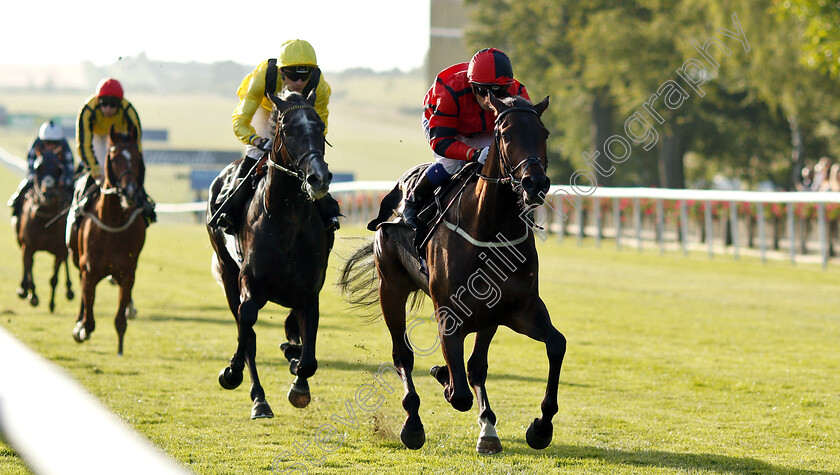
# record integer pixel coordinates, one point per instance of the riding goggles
(499, 90)
(109, 101)
(297, 73)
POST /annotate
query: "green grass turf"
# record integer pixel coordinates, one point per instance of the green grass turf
(674, 365)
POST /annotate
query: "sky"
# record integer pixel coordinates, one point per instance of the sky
(377, 34)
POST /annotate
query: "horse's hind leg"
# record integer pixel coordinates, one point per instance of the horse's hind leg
(392, 298)
(230, 377)
(536, 323)
(120, 322)
(248, 311)
(291, 348)
(488, 440)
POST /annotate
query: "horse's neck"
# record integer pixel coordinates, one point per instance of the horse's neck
(496, 204)
(109, 209)
(282, 196)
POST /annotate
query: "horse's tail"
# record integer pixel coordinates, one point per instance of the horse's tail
(358, 280)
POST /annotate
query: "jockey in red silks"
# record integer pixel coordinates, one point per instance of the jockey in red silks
(458, 120)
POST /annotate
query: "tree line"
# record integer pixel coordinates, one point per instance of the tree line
(670, 93)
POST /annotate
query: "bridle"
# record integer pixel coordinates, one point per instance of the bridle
(508, 170)
(294, 170)
(116, 189)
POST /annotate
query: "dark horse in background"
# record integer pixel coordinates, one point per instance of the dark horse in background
(107, 240)
(280, 251)
(42, 222)
(482, 272)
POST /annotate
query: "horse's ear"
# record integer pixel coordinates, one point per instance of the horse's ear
(496, 103)
(541, 106)
(278, 103)
(132, 133)
(311, 97)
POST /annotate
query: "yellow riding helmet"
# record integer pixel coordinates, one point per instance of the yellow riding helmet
(297, 53)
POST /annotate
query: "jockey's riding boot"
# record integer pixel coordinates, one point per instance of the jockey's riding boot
(330, 211)
(420, 195)
(16, 201)
(234, 197)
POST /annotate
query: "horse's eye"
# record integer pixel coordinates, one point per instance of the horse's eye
(506, 138)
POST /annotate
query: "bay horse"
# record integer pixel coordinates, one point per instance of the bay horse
(107, 240)
(281, 248)
(482, 272)
(42, 221)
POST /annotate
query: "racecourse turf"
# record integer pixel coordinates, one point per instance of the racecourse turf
(674, 365)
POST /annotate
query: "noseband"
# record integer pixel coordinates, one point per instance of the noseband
(117, 189)
(508, 170)
(294, 170)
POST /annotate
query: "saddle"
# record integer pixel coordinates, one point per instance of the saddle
(390, 208)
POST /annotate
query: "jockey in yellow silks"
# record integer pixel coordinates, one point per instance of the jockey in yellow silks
(295, 69)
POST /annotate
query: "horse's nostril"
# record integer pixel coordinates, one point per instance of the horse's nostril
(528, 184)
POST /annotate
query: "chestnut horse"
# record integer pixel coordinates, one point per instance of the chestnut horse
(107, 240)
(482, 272)
(42, 221)
(281, 248)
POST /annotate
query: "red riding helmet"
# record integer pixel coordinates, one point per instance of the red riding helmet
(109, 87)
(490, 66)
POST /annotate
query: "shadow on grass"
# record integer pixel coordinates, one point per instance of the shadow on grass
(668, 460)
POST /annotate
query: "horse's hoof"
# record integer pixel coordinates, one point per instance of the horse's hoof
(34, 300)
(52, 307)
(489, 445)
(291, 351)
(298, 398)
(440, 373)
(261, 410)
(79, 333)
(535, 440)
(413, 439)
(228, 379)
(21, 293)
(70, 295)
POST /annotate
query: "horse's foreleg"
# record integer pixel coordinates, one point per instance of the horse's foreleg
(69, 293)
(248, 312)
(54, 282)
(536, 323)
(120, 322)
(27, 282)
(488, 440)
(303, 368)
(230, 377)
(85, 323)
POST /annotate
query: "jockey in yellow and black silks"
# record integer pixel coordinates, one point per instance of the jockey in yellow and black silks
(106, 108)
(295, 69)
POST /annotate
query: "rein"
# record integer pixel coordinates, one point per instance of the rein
(296, 173)
(507, 170)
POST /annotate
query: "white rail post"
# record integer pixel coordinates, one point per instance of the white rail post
(684, 226)
(710, 237)
(599, 222)
(617, 218)
(660, 226)
(791, 225)
(759, 209)
(822, 231)
(579, 218)
(733, 217)
(637, 221)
